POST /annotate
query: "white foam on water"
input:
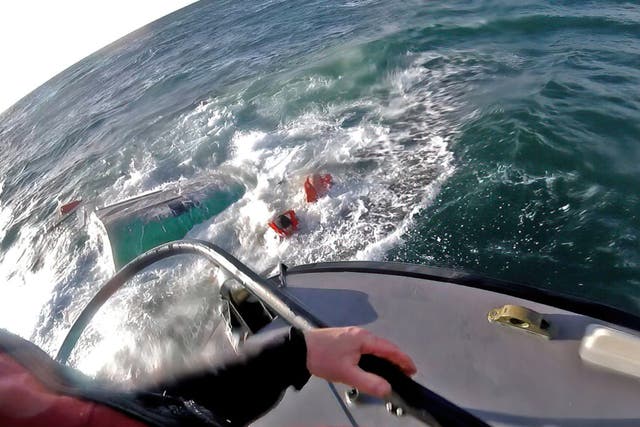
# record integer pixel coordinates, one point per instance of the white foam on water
(37, 262)
(378, 249)
(118, 343)
(188, 132)
(136, 181)
(249, 148)
(98, 243)
(197, 127)
(22, 291)
(164, 314)
(358, 3)
(28, 278)
(6, 215)
(387, 168)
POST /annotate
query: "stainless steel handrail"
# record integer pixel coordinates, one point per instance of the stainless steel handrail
(255, 284)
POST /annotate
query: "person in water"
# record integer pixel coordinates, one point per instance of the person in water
(285, 224)
(37, 391)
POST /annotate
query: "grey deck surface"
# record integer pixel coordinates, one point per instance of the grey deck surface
(507, 377)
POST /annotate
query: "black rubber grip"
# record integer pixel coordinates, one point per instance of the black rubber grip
(419, 398)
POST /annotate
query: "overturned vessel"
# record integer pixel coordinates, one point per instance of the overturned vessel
(142, 222)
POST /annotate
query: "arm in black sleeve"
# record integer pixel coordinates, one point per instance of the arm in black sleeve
(244, 387)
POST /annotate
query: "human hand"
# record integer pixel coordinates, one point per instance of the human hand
(334, 353)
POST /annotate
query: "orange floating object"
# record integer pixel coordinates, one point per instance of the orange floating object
(69, 207)
(285, 224)
(316, 186)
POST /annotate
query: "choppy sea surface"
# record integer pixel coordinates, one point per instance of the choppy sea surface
(493, 136)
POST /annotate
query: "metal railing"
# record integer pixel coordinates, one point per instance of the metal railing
(268, 294)
(413, 398)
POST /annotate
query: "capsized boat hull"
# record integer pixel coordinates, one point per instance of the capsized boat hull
(502, 375)
(140, 223)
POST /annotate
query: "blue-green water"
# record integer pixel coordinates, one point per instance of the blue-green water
(499, 137)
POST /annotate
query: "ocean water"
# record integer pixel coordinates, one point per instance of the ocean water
(492, 136)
